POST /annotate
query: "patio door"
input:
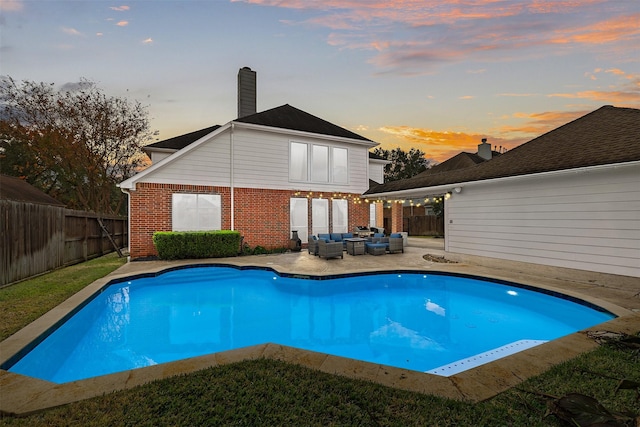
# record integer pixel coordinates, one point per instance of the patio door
(320, 216)
(339, 216)
(299, 218)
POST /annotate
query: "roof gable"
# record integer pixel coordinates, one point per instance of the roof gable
(608, 135)
(288, 117)
(459, 161)
(181, 141)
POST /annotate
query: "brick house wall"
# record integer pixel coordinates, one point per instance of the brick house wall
(261, 215)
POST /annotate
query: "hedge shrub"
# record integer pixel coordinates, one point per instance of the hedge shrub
(196, 244)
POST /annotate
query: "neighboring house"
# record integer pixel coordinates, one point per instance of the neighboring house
(19, 190)
(263, 174)
(569, 198)
(463, 160)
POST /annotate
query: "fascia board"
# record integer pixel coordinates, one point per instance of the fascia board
(130, 184)
(444, 188)
(159, 150)
(380, 161)
(298, 133)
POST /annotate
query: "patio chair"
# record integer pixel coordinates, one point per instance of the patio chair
(312, 246)
(329, 249)
(395, 243)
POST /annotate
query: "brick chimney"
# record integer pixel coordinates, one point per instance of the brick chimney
(484, 150)
(246, 92)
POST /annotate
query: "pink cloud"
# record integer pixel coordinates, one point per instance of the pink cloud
(409, 36)
(11, 5)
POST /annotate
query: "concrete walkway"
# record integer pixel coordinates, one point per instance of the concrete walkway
(618, 294)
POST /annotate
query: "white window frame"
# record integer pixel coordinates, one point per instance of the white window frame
(334, 162)
(339, 206)
(320, 216)
(339, 171)
(299, 217)
(196, 212)
(372, 215)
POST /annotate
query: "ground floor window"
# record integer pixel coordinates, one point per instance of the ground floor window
(196, 212)
(340, 216)
(372, 215)
(299, 219)
(320, 216)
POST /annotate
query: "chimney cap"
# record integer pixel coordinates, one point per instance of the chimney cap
(484, 140)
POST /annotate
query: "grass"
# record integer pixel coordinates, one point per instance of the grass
(268, 392)
(24, 302)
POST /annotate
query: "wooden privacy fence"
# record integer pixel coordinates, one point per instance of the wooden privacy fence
(429, 225)
(417, 221)
(39, 238)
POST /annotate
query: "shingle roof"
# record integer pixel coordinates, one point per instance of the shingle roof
(288, 117)
(459, 161)
(283, 117)
(12, 188)
(179, 142)
(607, 135)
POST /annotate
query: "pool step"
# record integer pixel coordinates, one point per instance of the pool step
(486, 357)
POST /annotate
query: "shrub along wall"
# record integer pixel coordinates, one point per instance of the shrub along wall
(196, 244)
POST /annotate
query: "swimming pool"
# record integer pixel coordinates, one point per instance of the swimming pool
(424, 322)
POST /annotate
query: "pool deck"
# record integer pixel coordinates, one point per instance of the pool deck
(22, 395)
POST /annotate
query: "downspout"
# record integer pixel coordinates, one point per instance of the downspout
(231, 183)
(128, 221)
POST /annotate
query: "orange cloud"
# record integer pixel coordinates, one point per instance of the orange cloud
(120, 8)
(122, 23)
(441, 145)
(537, 124)
(608, 31)
(626, 93)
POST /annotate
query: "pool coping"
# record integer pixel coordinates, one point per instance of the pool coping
(22, 395)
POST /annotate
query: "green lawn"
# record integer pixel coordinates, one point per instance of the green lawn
(267, 392)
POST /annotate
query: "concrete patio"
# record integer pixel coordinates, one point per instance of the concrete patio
(618, 294)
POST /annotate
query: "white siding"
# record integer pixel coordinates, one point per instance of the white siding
(376, 172)
(262, 161)
(207, 164)
(588, 221)
(157, 156)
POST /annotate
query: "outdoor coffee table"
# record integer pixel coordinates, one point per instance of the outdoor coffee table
(355, 246)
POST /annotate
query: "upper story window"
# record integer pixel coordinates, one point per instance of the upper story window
(318, 163)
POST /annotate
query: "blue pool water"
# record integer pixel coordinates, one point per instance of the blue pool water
(421, 322)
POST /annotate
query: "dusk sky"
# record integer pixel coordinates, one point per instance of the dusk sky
(431, 74)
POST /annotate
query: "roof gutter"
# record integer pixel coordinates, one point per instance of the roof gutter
(457, 186)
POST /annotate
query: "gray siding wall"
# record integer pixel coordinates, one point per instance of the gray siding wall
(585, 220)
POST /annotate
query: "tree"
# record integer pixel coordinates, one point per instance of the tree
(75, 143)
(403, 165)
